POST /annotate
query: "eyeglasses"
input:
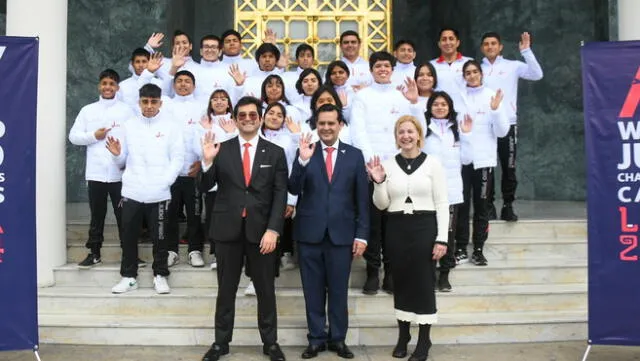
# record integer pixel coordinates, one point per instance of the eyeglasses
(219, 99)
(250, 115)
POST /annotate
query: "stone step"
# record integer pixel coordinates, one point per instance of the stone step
(549, 229)
(370, 330)
(498, 249)
(201, 301)
(498, 272)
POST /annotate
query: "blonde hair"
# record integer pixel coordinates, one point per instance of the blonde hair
(415, 122)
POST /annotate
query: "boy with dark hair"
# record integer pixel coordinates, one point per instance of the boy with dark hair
(305, 57)
(151, 151)
(360, 76)
(267, 56)
(232, 53)
(405, 53)
(449, 64)
(144, 72)
(104, 178)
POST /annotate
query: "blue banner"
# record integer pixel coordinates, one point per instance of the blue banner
(611, 85)
(18, 277)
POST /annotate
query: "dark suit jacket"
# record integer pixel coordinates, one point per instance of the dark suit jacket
(340, 206)
(265, 198)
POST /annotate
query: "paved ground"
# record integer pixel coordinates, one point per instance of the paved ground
(558, 351)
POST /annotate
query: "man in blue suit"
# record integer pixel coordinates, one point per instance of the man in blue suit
(331, 227)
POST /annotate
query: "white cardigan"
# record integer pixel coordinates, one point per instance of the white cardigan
(426, 186)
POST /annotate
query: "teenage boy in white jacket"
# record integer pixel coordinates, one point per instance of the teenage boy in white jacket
(501, 73)
(151, 151)
(373, 116)
(104, 178)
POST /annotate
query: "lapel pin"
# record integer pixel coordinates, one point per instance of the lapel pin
(343, 151)
(262, 150)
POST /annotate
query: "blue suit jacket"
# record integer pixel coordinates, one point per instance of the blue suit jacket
(340, 206)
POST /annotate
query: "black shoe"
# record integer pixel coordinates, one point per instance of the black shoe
(215, 352)
(341, 349)
(400, 351)
(443, 282)
(492, 214)
(478, 258)
(91, 261)
(418, 358)
(507, 213)
(141, 263)
(461, 256)
(274, 352)
(372, 284)
(312, 351)
(387, 282)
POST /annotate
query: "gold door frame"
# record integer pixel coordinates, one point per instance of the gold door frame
(373, 18)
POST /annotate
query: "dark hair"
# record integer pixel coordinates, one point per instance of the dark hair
(431, 69)
(180, 32)
(349, 33)
(469, 63)
(231, 32)
(326, 88)
(491, 34)
(303, 75)
(263, 89)
(325, 108)
(331, 66)
(446, 28)
(150, 91)
(185, 73)
(401, 42)
(210, 37)
(140, 52)
(381, 56)
(267, 48)
(452, 117)
(305, 47)
(284, 114)
(247, 100)
(216, 92)
(111, 74)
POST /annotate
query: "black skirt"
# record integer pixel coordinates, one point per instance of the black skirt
(410, 239)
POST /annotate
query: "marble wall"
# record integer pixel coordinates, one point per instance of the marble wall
(551, 150)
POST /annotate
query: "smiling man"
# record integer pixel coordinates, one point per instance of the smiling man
(360, 76)
(449, 64)
(247, 218)
(405, 53)
(375, 111)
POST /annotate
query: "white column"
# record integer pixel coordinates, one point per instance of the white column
(47, 19)
(628, 25)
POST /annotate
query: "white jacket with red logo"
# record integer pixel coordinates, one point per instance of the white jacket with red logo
(105, 113)
(152, 155)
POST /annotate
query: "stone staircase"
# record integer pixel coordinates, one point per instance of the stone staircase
(534, 289)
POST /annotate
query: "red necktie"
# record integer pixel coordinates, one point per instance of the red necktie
(246, 170)
(329, 161)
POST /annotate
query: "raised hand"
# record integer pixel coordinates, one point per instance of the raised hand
(376, 170)
(205, 121)
(342, 95)
(439, 250)
(155, 62)
(113, 145)
(269, 36)
(179, 56)
(467, 124)
(238, 76)
(497, 99)
(525, 41)
(227, 124)
(283, 62)
(210, 148)
(292, 125)
(101, 133)
(307, 147)
(411, 90)
(155, 40)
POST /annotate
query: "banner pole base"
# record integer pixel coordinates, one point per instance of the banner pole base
(584, 358)
(35, 352)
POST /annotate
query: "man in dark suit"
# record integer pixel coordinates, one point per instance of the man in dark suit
(246, 221)
(331, 227)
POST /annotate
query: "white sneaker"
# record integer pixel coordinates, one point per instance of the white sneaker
(287, 262)
(173, 259)
(126, 284)
(161, 285)
(195, 259)
(250, 290)
(214, 262)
